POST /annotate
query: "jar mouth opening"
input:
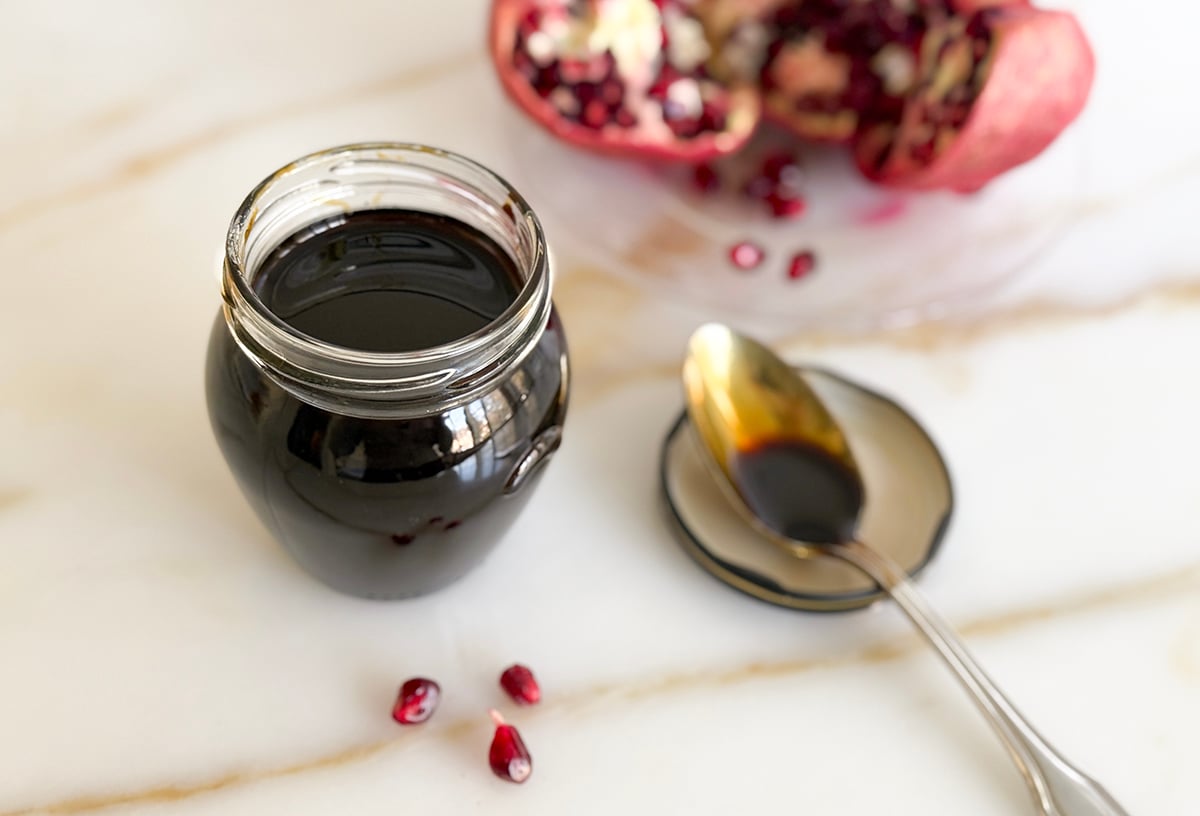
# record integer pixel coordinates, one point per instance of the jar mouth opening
(357, 177)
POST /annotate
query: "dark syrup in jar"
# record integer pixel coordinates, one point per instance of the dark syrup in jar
(388, 280)
(799, 491)
(374, 507)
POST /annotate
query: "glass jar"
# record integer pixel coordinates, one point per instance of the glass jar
(386, 474)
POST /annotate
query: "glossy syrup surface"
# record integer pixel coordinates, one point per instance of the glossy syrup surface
(799, 491)
(388, 280)
(385, 508)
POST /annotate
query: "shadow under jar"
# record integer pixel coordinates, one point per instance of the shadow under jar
(388, 376)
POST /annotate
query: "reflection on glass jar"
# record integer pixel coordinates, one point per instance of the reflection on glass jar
(387, 377)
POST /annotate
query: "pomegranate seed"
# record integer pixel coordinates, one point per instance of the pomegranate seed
(746, 255)
(705, 178)
(802, 265)
(783, 206)
(417, 701)
(924, 152)
(585, 92)
(508, 756)
(776, 165)
(572, 72)
(595, 114)
(713, 117)
(520, 684)
(612, 92)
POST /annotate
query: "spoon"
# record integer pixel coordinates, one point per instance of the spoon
(783, 461)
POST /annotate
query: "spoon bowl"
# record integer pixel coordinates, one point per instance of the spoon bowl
(785, 464)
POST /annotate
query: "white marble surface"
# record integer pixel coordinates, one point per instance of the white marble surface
(160, 655)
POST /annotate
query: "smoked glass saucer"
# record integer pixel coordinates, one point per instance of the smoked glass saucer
(883, 258)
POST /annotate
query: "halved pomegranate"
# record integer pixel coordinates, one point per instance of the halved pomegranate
(932, 93)
(628, 77)
(995, 89)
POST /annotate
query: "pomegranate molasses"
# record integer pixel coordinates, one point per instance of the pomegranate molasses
(386, 383)
(388, 280)
(799, 491)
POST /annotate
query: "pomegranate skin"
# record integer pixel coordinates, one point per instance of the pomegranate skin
(1040, 78)
(969, 6)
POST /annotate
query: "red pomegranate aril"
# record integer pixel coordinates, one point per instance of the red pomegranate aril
(612, 93)
(520, 684)
(705, 178)
(573, 72)
(595, 113)
(417, 701)
(746, 255)
(712, 117)
(786, 207)
(802, 265)
(508, 756)
(778, 165)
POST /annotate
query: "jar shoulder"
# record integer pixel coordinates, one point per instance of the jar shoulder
(247, 404)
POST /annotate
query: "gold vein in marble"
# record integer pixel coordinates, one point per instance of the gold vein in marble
(151, 162)
(582, 285)
(1180, 292)
(1156, 589)
(1185, 652)
(13, 497)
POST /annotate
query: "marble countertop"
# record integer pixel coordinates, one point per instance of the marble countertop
(159, 654)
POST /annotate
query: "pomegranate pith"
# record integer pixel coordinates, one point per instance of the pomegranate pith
(508, 756)
(520, 684)
(416, 702)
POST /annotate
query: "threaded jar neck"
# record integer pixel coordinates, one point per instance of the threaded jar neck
(355, 178)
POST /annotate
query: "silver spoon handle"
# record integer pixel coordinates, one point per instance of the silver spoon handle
(1058, 788)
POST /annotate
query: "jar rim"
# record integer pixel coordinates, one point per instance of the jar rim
(246, 215)
(348, 373)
